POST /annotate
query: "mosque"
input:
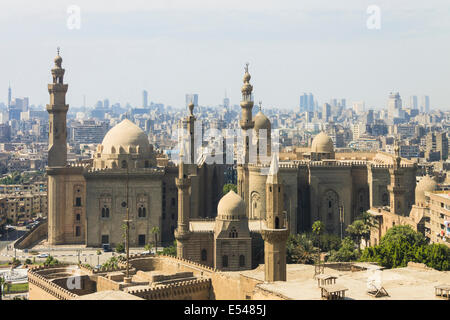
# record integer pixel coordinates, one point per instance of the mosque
(88, 203)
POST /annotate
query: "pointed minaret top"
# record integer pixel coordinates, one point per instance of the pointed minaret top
(272, 177)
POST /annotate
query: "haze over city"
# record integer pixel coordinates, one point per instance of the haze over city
(172, 47)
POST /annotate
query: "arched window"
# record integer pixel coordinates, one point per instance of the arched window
(241, 260)
(144, 213)
(233, 233)
(105, 212)
(225, 261)
(277, 223)
(146, 164)
(204, 255)
(124, 164)
(139, 212)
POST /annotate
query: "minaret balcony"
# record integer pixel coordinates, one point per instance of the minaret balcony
(245, 125)
(183, 183)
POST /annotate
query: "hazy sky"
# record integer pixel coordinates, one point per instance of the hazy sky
(174, 47)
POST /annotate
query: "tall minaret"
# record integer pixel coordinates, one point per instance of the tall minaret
(247, 125)
(57, 170)
(276, 232)
(182, 233)
(57, 109)
(397, 188)
(247, 107)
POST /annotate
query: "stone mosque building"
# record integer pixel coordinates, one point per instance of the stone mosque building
(87, 203)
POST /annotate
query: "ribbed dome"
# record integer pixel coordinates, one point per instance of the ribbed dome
(231, 204)
(261, 121)
(126, 137)
(425, 184)
(322, 143)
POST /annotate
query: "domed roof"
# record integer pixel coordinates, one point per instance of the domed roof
(231, 204)
(261, 121)
(425, 184)
(123, 136)
(322, 143)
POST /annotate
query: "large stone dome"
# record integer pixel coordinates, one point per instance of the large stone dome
(126, 137)
(322, 143)
(425, 184)
(231, 206)
(261, 121)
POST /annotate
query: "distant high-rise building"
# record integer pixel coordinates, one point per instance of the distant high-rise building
(343, 103)
(9, 96)
(425, 107)
(106, 103)
(358, 106)
(307, 102)
(192, 97)
(333, 102)
(326, 112)
(436, 146)
(394, 105)
(99, 104)
(413, 102)
(226, 101)
(144, 98)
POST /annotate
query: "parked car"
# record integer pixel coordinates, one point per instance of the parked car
(43, 255)
(106, 247)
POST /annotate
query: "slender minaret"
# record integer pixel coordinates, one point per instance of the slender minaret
(276, 232)
(182, 233)
(247, 107)
(57, 109)
(397, 188)
(57, 157)
(247, 125)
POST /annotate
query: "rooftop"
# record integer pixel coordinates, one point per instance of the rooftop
(408, 283)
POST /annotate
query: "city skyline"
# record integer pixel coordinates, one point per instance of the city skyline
(201, 47)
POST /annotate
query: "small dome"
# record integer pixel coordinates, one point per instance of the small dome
(231, 204)
(126, 137)
(425, 184)
(261, 121)
(322, 143)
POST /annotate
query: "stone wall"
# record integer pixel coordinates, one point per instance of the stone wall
(33, 236)
(41, 288)
(185, 290)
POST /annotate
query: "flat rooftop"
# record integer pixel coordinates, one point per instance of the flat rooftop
(408, 283)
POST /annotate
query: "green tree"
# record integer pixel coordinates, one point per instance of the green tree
(300, 249)
(51, 261)
(111, 264)
(357, 231)
(347, 252)
(402, 244)
(170, 250)
(229, 186)
(2, 284)
(318, 227)
(120, 248)
(148, 247)
(155, 231)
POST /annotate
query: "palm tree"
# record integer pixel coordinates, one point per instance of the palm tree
(318, 228)
(155, 231)
(358, 230)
